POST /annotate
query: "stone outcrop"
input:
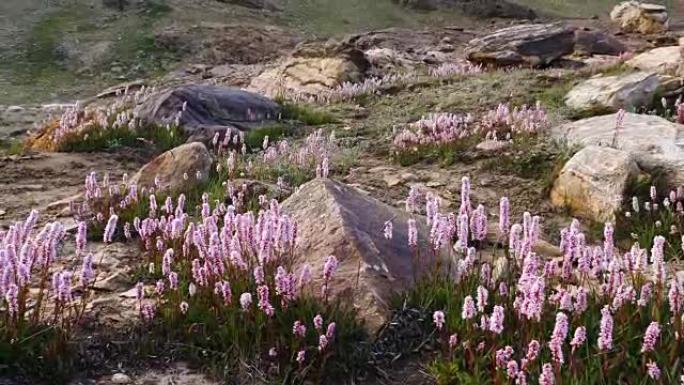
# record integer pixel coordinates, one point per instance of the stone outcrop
(653, 142)
(592, 183)
(199, 108)
(526, 44)
(628, 91)
(313, 68)
(177, 169)
(336, 219)
(663, 60)
(589, 42)
(634, 16)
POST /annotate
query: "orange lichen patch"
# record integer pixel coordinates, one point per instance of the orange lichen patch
(43, 140)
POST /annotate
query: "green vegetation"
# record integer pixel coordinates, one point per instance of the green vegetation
(254, 139)
(472, 357)
(304, 113)
(75, 46)
(12, 146)
(443, 154)
(223, 339)
(331, 17)
(533, 158)
(97, 139)
(579, 8)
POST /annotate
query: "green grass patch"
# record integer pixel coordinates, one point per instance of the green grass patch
(326, 18)
(445, 154)
(12, 146)
(533, 158)
(98, 139)
(225, 339)
(38, 353)
(254, 139)
(74, 48)
(309, 115)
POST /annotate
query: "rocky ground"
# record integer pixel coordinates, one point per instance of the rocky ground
(555, 64)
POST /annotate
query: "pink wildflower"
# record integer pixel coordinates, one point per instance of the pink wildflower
(650, 337)
(605, 339)
(438, 319)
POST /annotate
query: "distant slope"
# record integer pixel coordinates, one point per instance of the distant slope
(56, 50)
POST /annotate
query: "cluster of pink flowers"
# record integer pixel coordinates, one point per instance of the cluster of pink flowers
(552, 288)
(348, 91)
(446, 128)
(434, 129)
(33, 281)
(446, 70)
(78, 120)
(313, 154)
(224, 250)
(507, 120)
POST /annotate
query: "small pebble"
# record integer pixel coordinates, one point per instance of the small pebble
(120, 378)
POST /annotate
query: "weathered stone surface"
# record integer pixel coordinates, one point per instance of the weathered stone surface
(307, 75)
(336, 219)
(630, 91)
(654, 143)
(120, 378)
(588, 42)
(387, 60)
(663, 60)
(634, 16)
(526, 44)
(177, 169)
(490, 145)
(592, 182)
(208, 106)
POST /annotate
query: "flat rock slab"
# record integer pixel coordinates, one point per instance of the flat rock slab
(654, 142)
(629, 91)
(526, 44)
(663, 60)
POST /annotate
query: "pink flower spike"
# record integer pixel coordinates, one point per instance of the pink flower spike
(438, 319)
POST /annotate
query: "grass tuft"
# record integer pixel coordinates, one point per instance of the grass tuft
(306, 114)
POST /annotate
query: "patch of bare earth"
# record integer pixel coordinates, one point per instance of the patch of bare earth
(34, 181)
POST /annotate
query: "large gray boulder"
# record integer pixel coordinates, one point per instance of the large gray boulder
(628, 91)
(653, 142)
(525, 44)
(208, 107)
(336, 219)
(592, 183)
